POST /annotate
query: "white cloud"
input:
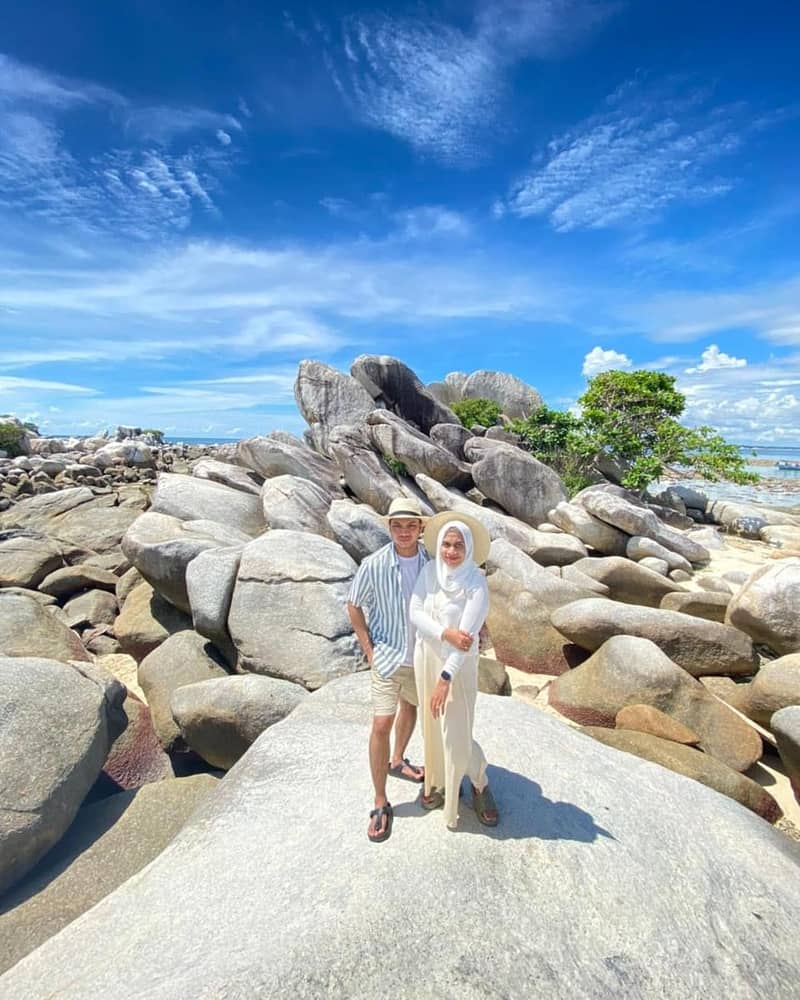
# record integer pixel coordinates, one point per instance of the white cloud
(9, 384)
(650, 149)
(599, 360)
(713, 357)
(429, 221)
(223, 137)
(22, 83)
(163, 123)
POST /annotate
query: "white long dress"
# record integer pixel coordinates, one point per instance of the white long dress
(450, 750)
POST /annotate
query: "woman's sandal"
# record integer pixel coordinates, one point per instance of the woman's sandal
(485, 805)
(433, 801)
(377, 823)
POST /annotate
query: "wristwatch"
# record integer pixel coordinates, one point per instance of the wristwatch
(446, 675)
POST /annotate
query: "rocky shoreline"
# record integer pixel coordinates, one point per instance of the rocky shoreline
(162, 607)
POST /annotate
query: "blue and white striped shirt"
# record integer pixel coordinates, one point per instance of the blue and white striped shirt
(378, 587)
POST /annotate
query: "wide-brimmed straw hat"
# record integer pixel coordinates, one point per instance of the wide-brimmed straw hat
(405, 507)
(480, 536)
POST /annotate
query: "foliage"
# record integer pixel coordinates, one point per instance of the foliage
(10, 439)
(396, 466)
(630, 419)
(157, 434)
(477, 411)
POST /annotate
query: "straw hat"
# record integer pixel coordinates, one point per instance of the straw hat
(405, 507)
(480, 536)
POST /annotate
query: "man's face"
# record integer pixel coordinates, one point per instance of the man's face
(405, 533)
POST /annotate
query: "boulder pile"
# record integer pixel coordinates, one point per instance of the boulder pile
(162, 606)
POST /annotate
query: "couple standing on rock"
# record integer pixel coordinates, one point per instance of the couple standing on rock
(421, 643)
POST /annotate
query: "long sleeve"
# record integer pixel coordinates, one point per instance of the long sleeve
(427, 626)
(472, 618)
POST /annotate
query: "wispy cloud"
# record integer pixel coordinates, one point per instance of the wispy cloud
(21, 83)
(9, 384)
(162, 123)
(440, 88)
(653, 147)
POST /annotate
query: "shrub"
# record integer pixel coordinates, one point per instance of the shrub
(396, 466)
(11, 439)
(477, 411)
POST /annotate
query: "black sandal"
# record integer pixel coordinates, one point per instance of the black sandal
(377, 815)
(433, 801)
(397, 771)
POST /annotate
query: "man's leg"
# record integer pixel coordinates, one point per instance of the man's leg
(379, 759)
(404, 727)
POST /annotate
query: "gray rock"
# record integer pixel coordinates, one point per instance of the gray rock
(288, 616)
(699, 646)
(766, 607)
(72, 579)
(524, 487)
(190, 499)
(183, 658)
(709, 537)
(498, 433)
(327, 398)
(781, 536)
(627, 670)
(516, 398)
(58, 723)
(125, 584)
(396, 438)
(775, 686)
(714, 585)
(226, 474)
(26, 557)
(357, 528)
(628, 581)
(136, 757)
(708, 605)
(91, 608)
(389, 380)
(660, 566)
(453, 437)
(679, 576)
(565, 796)
(690, 496)
(365, 473)
(639, 548)
(219, 719)
(210, 579)
(492, 677)
(28, 629)
(448, 391)
(786, 727)
(280, 454)
(108, 842)
(602, 537)
(146, 620)
(132, 453)
(296, 504)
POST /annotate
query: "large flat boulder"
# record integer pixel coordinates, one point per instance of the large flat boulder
(516, 398)
(280, 454)
(26, 557)
(394, 384)
(191, 499)
(522, 485)
(766, 607)
(226, 474)
(327, 398)
(108, 842)
(58, 723)
(700, 603)
(590, 817)
(700, 647)
(598, 535)
(69, 580)
(627, 581)
(630, 671)
(288, 616)
(297, 504)
(28, 629)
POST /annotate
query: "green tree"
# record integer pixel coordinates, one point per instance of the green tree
(477, 411)
(10, 439)
(555, 438)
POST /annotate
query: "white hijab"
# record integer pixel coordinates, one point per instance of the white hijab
(463, 577)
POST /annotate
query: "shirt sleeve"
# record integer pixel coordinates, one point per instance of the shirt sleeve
(360, 593)
(427, 626)
(472, 618)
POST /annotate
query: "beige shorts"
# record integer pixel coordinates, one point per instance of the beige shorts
(387, 691)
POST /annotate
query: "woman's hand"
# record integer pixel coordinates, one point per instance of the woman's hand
(461, 640)
(439, 697)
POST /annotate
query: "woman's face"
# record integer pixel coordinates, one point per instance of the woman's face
(453, 550)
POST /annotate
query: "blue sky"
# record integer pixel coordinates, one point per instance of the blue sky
(194, 197)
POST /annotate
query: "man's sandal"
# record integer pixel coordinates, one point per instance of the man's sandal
(376, 826)
(433, 801)
(407, 771)
(485, 807)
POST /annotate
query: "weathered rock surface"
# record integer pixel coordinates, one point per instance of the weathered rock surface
(28, 629)
(219, 719)
(781, 536)
(365, 473)
(453, 437)
(562, 795)
(91, 608)
(693, 764)
(136, 757)
(183, 658)
(786, 727)
(146, 620)
(226, 474)
(766, 607)
(392, 436)
(280, 454)
(388, 379)
(699, 646)
(631, 671)
(190, 499)
(58, 723)
(210, 579)
(523, 486)
(357, 528)
(776, 685)
(26, 557)
(327, 398)
(516, 398)
(288, 616)
(602, 537)
(108, 842)
(639, 548)
(647, 719)
(72, 579)
(627, 581)
(702, 604)
(296, 504)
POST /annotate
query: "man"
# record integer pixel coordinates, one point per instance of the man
(383, 585)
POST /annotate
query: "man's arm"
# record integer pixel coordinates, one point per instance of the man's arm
(359, 623)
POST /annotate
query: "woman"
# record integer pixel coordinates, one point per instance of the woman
(448, 609)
